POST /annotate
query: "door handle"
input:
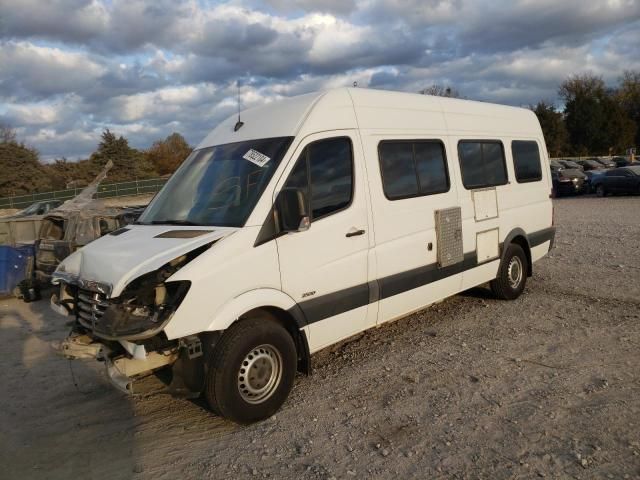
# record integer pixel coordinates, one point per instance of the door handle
(354, 233)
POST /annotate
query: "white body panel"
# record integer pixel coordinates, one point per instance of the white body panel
(395, 260)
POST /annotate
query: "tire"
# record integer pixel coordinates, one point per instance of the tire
(512, 274)
(258, 344)
(600, 191)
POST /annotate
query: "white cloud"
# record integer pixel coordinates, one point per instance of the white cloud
(146, 69)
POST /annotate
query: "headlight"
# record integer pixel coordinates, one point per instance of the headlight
(141, 313)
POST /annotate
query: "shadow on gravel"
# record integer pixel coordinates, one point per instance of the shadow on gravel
(50, 428)
(478, 292)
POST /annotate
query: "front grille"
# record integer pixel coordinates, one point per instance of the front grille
(91, 307)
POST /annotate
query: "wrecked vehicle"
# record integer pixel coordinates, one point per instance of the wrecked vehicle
(76, 223)
(305, 222)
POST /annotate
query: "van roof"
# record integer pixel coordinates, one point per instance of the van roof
(369, 109)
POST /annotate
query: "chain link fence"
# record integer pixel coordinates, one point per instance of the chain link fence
(109, 190)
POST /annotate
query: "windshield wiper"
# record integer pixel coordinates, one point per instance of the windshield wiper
(172, 222)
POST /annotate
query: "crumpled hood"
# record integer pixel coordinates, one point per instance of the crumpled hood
(118, 259)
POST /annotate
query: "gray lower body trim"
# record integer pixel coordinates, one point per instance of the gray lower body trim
(335, 303)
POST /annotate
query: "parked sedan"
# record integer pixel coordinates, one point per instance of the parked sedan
(556, 166)
(590, 165)
(620, 180)
(570, 164)
(607, 162)
(621, 162)
(568, 181)
(39, 208)
(594, 177)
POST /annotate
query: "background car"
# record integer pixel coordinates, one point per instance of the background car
(607, 162)
(571, 164)
(556, 165)
(620, 180)
(568, 181)
(594, 177)
(38, 208)
(590, 165)
(621, 162)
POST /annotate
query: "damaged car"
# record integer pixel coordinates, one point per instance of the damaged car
(76, 223)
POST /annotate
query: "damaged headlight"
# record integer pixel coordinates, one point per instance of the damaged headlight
(145, 306)
(141, 311)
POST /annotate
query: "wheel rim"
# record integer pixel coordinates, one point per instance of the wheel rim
(514, 272)
(260, 374)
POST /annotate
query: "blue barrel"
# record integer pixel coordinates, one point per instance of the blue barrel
(15, 266)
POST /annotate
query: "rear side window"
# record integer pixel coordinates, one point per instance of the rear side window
(526, 161)
(482, 163)
(325, 171)
(413, 168)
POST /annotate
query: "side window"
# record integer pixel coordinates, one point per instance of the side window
(413, 168)
(325, 171)
(482, 163)
(526, 161)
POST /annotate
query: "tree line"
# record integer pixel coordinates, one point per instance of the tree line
(23, 172)
(594, 119)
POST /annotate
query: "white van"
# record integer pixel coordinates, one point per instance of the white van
(307, 221)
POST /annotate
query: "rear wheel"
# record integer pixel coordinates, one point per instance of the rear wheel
(251, 370)
(600, 191)
(512, 274)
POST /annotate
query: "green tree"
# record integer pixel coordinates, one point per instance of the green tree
(596, 122)
(628, 96)
(21, 169)
(553, 127)
(128, 163)
(167, 155)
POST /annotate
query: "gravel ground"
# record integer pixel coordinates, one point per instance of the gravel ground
(544, 386)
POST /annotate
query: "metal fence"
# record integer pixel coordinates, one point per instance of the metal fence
(108, 190)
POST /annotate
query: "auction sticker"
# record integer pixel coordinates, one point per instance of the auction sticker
(256, 157)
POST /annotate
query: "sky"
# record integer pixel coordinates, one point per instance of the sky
(145, 69)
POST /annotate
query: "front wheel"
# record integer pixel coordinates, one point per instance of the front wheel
(251, 370)
(512, 274)
(600, 191)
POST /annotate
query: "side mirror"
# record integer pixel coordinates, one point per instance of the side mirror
(293, 210)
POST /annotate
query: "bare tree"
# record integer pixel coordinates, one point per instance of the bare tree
(441, 91)
(7, 134)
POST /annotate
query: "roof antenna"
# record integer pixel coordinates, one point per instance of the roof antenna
(239, 123)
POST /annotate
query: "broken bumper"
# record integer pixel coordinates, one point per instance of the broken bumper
(121, 369)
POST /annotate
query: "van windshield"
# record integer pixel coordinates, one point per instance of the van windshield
(217, 185)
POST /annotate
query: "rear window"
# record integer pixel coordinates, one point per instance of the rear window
(482, 163)
(412, 168)
(526, 161)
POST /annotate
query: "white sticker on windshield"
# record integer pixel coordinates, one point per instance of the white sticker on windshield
(256, 157)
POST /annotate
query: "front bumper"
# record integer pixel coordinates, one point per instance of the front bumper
(122, 369)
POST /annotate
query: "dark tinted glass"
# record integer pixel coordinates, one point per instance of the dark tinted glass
(331, 172)
(482, 164)
(298, 177)
(471, 164)
(526, 161)
(398, 169)
(431, 167)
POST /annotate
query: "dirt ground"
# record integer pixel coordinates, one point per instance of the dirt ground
(544, 386)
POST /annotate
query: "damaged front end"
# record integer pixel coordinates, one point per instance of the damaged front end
(126, 332)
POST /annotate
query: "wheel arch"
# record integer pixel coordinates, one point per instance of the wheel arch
(519, 237)
(275, 306)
